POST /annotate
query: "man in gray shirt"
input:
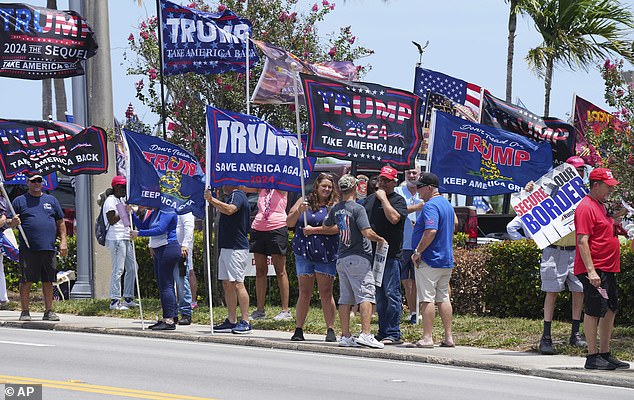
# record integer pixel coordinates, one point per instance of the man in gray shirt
(354, 264)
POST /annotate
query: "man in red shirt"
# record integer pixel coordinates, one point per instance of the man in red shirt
(597, 259)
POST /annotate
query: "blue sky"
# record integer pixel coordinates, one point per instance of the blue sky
(467, 40)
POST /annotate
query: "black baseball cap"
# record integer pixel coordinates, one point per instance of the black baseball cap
(427, 179)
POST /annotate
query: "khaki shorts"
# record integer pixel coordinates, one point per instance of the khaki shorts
(432, 284)
(232, 265)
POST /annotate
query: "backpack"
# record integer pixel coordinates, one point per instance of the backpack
(101, 229)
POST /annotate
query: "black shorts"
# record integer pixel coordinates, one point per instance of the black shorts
(38, 265)
(269, 242)
(594, 304)
(407, 266)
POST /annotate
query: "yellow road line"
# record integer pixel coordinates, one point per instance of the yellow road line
(85, 387)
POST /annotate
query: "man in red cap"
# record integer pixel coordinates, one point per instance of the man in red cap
(597, 260)
(387, 212)
(120, 246)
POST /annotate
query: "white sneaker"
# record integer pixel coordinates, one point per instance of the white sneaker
(283, 316)
(118, 306)
(368, 339)
(129, 304)
(256, 315)
(347, 341)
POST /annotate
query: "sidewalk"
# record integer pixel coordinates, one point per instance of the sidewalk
(525, 363)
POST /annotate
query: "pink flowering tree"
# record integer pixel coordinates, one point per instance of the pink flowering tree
(615, 144)
(284, 23)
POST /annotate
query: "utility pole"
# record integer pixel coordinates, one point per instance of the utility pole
(92, 105)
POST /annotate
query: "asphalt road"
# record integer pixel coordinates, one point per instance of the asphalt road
(91, 366)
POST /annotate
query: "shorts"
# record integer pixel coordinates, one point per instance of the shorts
(356, 282)
(232, 265)
(432, 284)
(304, 266)
(38, 265)
(269, 242)
(594, 304)
(556, 270)
(407, 266)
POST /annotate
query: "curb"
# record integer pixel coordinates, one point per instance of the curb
(566, 374)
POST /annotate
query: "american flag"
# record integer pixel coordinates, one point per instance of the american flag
(456, 89)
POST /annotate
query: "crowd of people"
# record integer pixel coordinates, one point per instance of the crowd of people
(338, 227)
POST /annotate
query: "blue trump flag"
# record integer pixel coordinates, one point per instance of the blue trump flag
(479, 160)
(163, 175)
(202, 42)
(244, 150)
(49, 182)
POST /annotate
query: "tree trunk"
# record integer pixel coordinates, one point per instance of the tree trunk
(548, 83)
(47, 99)
(60, 99)
(511, 50)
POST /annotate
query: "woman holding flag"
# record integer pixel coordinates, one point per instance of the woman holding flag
(160, 227)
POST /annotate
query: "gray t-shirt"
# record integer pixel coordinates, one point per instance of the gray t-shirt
(351, 219)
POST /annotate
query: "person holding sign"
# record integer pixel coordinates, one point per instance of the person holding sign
(354, 263)
(387, 212)
(433, 257)
(597, 260)
(556, 272)
(315, 253)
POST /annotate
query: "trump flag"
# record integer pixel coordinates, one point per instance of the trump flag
(479, 160)
(163, 175)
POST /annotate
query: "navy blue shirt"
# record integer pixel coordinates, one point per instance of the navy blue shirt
(319, 248)
(232, 229)
(39, 216)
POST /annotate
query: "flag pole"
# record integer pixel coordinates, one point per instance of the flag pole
(126, 150)
(6, 196)
(295, 68)
(207, 236)
(160, 39)
(248, 100)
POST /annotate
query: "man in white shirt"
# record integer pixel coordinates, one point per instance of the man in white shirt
(120, 246)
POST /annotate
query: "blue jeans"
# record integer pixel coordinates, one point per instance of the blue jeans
(122, 256)
(165, 261)
(389, 301)
(183, 290)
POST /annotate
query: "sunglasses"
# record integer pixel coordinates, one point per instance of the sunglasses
(36, 180)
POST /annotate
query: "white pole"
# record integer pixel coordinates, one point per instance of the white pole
(298, 127)
(138, 285)
(207, 236)
(248, 100)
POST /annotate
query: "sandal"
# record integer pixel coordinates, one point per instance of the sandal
(445, 344)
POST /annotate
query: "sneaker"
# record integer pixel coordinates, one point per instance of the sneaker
(613, 360)
(185, 320)
(25, 316)
(330, 335)
(283, 316)
(257, 314)
(298, 336)
(116, 305)
(129, 302)
(412, 318)
(368, 340)
(595, 361)
(577, 340)
(242, 327)
(225, 327)
(546, 346)
(49, 315)
(163, 326)
(347, 341)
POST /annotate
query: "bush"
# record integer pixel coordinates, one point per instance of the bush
(469, 279)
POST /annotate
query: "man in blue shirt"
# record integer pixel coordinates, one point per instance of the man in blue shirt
(433, 257)
(234, 253)
(42, 218)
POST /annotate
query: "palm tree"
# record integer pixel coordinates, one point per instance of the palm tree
(577, 34)
(516, 7)
(58, 84)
